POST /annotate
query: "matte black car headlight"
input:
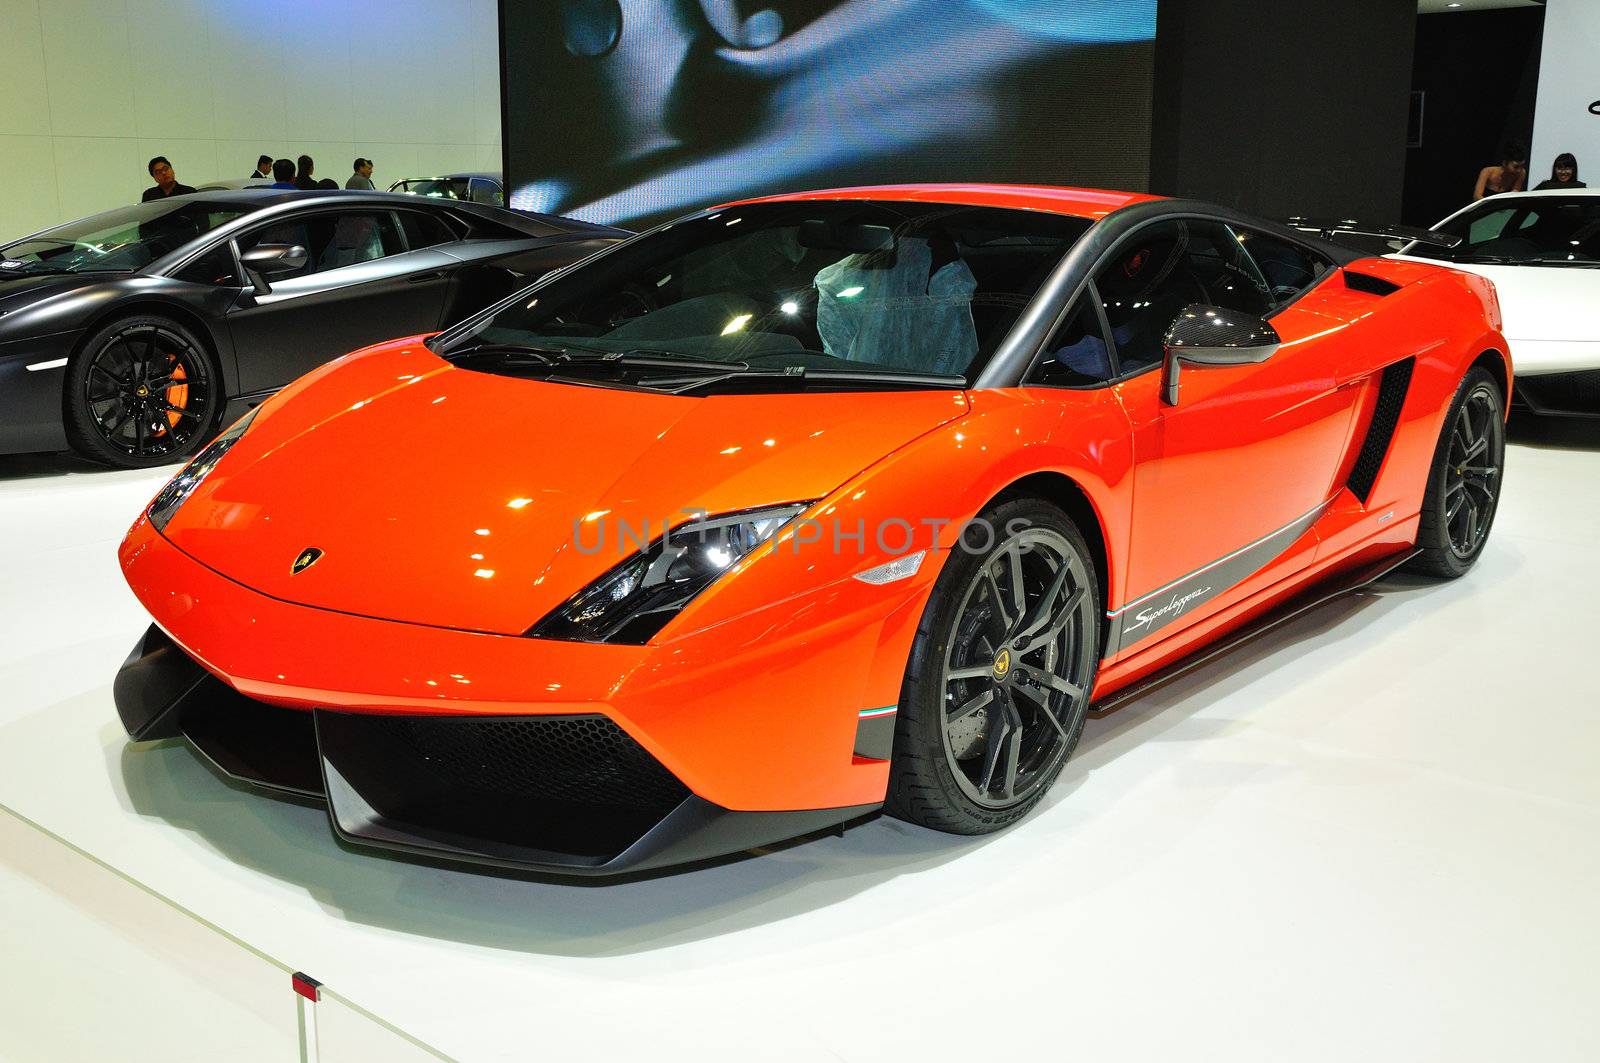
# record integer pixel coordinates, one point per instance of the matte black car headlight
(635, 599)
(180, 487)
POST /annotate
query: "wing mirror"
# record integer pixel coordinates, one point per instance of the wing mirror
(266, 260)
(1210, 335)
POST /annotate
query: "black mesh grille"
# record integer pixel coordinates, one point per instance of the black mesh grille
(1392, 388)
(1562, 392)
(583, 759)
(572, 785)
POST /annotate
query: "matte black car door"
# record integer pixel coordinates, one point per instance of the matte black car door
(359, 286)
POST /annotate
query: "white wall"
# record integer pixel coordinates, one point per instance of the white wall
(91, 89)
(1567, 88)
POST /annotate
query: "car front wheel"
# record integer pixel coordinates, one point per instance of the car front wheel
(141, 391)
(998, 683)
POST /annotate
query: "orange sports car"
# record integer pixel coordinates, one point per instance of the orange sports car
(801, 508)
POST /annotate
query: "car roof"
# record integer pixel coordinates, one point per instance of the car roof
(258, 198)
(1541, 192)
(1090, 203)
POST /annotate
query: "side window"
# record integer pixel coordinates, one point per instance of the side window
(1288, 268)
(481, 191)
(358, 236)
(295, 231)
(1076, 354)
(1165, 267)
(424, 230)
(332, 239)
(215, 267)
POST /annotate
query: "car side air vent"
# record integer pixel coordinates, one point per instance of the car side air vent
(1366, 282)
(1392, 388)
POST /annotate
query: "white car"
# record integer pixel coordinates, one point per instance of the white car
(1542, 250)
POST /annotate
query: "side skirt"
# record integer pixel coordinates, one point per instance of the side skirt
(1317, 594)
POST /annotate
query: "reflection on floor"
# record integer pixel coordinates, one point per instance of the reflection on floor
(1369, 834)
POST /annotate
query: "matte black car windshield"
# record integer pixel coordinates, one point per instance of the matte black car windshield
(124, 239)
(1532, 230)
(868, 287)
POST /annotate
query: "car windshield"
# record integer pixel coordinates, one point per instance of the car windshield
(1530, 230)
(437, 187)
(842, 286)
(125, 239)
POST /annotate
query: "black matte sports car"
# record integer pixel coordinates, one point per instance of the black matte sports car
(134, 335)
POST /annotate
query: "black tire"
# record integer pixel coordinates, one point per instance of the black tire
(937, 775)
(1461, 499)
(142, 391)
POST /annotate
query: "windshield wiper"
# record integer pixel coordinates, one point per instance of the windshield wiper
(576, 355)
(33, 269)
(797, 377)
(507, 353)
(1578, 262)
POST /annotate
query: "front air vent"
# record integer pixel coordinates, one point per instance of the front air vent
(1366, 282)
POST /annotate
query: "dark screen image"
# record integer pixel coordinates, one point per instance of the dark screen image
(630, 112)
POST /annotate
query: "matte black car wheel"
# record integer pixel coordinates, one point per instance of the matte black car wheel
(142, 391)
(1464, 482)
(998, 684)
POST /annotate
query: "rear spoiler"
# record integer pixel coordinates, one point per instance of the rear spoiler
(1328, 230)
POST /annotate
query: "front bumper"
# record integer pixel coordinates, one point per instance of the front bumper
(30, 399)
(1574, 394)
(569, 795)
(562, 757)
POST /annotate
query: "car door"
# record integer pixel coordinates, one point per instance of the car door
(361, 284)
(1228, 481)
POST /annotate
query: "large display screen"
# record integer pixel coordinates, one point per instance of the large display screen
(630, 112)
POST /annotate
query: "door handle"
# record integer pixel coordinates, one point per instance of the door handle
(431, 275)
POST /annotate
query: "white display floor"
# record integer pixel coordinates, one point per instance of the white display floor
(1371, 835)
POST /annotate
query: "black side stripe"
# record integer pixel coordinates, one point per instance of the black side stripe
(1143, 617)
(1392, 389)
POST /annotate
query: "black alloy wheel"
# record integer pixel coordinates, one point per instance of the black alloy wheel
(1472, 472)
(1463, 491)
(143, 392)
(999, 682)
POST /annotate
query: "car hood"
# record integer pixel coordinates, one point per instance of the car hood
(1540, 302)
(454, 498)
(22, 289)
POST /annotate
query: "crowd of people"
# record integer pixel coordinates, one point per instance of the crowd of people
(274, 173)
(1510, 174)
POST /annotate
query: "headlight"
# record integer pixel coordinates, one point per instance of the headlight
(181, 486)
(634, 600)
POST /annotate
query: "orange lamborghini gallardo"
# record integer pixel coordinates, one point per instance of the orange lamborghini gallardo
(802, 508)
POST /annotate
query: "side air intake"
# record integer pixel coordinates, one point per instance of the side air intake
(1392, 388)
(1366, 282)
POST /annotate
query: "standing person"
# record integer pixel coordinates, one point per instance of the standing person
(263, 170)
(1510, 176)
(302, 176)
(166, 181)
(361, 178)
(1564, 174)
(282, 174)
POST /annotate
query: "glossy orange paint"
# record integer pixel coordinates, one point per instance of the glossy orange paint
(1091, 203)
(445, 501)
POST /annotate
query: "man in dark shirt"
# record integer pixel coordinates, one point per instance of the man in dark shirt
(263, 169)
(166, 181)
(282, 174)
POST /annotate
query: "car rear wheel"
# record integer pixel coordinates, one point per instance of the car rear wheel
(1001, 669)
(140, 392)
(1463, 491)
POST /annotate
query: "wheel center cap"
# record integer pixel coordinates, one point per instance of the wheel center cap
(1002, 664)
(143, 391)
